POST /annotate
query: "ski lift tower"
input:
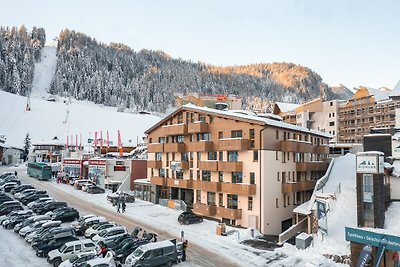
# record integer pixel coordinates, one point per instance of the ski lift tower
(28, 103)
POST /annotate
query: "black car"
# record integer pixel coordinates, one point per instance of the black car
(4, 198)
(21, 188)
(15, 220)
(112, 244)
(93, 189)
(188, 217)
(10, 178)
(44, 248)
(7, 210)
(6, 174)
(10, 185)
(66, 215)
(50, 207)
(127, 249)
(33, 197)
(29, 194)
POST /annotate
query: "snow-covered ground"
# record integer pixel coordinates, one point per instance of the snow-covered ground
(49, 119)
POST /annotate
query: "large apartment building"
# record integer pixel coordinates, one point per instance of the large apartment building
(369, 109)
(236, 167)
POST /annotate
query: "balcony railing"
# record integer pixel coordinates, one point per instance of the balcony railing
(306, 185)
(321, 149)
(175, 129)
(207, 186)
(153, 148)
(155, 164)
(233, 144)
(208, 165)
(180, 183)
(200, 127)
(174, 147)
(203, 209)
(230, 166)
(239, 189)
(201, 146)
(311, 166)
(232, 214)
(158, 181)
(296, 146)
(290, 187)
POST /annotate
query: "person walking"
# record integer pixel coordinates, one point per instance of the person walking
(184, 247)
(123, 206)
(118, 206)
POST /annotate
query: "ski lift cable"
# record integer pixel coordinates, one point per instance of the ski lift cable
(8, 113)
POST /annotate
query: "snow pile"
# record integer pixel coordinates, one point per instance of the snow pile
(392, 219)
(48, 119)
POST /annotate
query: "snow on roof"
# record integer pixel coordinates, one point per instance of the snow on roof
(367, 153)
(379, 94)
(270, 116)
(396, 88)
(377, 134)
(396, 168)
(48, 142)
(155, 245)
(285, 107)
(267, 121)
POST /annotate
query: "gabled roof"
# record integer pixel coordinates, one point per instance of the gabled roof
(246, 117)
(286, 107)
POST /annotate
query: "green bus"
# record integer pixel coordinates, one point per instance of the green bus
(41, 171)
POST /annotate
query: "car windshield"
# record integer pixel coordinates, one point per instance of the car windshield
(138, 253)
(103, 233)
(62, 248)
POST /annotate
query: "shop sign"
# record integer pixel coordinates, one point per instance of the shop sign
(375, 239)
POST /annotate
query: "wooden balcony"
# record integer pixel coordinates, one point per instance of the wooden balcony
(234, 144)
(176, 129)
(311, 166)
(205, 210)
(156, 147)
(207, 186)
(304, 147)
(230, 166)
(239, 189)
(200, 127)
(321, 149)
(155, 164)
(180, 183)
(232, 214)
(174, 147)
(290, 187)
(289, 146)
(158, 181)
(306, 185)
(201, 146)
(208, 165)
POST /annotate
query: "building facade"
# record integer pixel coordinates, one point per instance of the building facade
(237, 168)
(216, 101)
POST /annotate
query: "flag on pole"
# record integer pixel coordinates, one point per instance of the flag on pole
(95, 140)
(101, 139)
(119, 144)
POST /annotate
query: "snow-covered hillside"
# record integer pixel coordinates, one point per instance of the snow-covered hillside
(46, 120)
(44, 71)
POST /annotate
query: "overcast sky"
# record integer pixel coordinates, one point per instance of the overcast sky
(345, 41)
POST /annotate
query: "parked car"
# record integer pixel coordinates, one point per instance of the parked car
(79, 183)
(43, 249)
(21, 188)
(5, 174)
(88, 222)
(112, 244)
(33, 197)
(94, 189)
(189, 218)
(23, 192)
(53, 233)
(50, 206)
(108, 260)
(69, 250)
(66, 215)
(7, 187)
(58, 210)
(45, 228)
(30, 228)
(7, 210)
(110, 234)
(126, 250)
(114, 197)
(85, 186)
(9, 178)
(39, 201)
(153, 254)
(30, 220)
(92, 231)
(79, 259)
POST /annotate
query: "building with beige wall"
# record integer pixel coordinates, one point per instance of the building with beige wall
(236, 167)
(216, 101)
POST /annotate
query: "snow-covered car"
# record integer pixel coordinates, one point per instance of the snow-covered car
(39, 201)
(108, 260)
(78, 183)
(48, 225)
(92, 231)
(85, 186)
(32, 227)
(79, 259)
(110, 234)
(24, 192)
(69, 250)
(82, 218)
(7, 187)
(87, 223)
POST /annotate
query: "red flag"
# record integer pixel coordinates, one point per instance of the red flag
(108, 140)
(119, 144)
(101, 139)
(95, 140)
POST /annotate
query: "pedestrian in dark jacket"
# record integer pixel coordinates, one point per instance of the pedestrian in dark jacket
(118, 207)
(184, 247)
(123, 206)
(103, 249)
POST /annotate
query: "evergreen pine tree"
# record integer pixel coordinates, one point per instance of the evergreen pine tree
(27, 145)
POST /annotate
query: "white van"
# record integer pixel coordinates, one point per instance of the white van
(153, 254)
(69, 250)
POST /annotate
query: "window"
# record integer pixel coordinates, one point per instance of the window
(220, 135)
(236, 134)
(180, 118)
(250, 203)
(233, 156)
(157, 252)
(78, 247)
(331, 103)
(283, 157)
(212, 155)
(331, 123)
(198, 196)
(202, 118)
(221, 199)
(198, 155)
(251, 133)
(210, 198)
(252, 178)
(277, 134)
(158, 156)
(284, 136)
(191, 174)
(221, 156)
(180, 139)
(220, 176)
(161, 140)
(232, 201)
(69, 249)
(206, 176)
(367, 188)
(203, 137)
(198, 175)
(276, 155)
(237, 177)
(277, 176)
(276, 203)
(184, 156)
(211, 119)
(255, 155)
(162, 173)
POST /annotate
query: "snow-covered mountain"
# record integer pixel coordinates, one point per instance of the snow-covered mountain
(62, 118)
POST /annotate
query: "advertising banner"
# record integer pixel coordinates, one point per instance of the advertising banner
(370, 164)
(97, 172)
